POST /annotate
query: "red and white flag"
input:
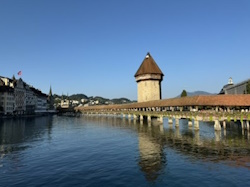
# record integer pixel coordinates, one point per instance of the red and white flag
(19, 73)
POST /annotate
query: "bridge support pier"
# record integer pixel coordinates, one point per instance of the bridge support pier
(129, 116)
(170, 121)
(149, 118)
(217, 135)
(196, 125)
(197, 137)
(141, 118)
(224, 124)
(176, 122)
(160, 119)
(217, 126)
(141, 123)
(242, 124)
(177, 132)
(190, 123)
(247, 125)
(135, 117)
(123, 115)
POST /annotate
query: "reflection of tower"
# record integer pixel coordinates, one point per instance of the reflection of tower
(152, 158)
(148, 78)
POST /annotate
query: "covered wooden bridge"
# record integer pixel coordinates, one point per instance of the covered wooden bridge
(209, 108)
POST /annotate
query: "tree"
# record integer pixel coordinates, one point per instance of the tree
(248, 88)
(184, 93)
(13, 78)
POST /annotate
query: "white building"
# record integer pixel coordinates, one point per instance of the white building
(84, 100)
(75, 102)
(17, 97)
(40, 101)
(30, 100)
(65, 103)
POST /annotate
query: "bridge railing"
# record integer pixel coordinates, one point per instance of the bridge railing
(199, 115)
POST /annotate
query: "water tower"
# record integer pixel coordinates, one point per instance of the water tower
(148, 78)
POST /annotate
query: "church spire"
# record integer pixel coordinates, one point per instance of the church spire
(50, 99)
(50, 91)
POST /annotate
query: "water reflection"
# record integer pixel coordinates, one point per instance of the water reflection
(152, 157)
(14, 133)
(227, 146)
(155, 142)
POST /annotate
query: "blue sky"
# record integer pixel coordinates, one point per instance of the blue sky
(95, 46)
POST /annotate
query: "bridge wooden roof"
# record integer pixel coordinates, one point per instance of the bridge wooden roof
(148, 66)
(211, 100)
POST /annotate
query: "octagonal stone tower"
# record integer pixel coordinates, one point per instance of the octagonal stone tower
(148, 78)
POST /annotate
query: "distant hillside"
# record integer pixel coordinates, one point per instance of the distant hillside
(197, 93)
(78, 97)
(101, 100)
(110, 101)
(120, 100)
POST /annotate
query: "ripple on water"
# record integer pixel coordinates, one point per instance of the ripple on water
(89, 151)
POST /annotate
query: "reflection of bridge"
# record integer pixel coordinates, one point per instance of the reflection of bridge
(152, 140)
(217, 108)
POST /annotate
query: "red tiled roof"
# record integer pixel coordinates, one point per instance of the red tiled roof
(213, 100)
(148, 66)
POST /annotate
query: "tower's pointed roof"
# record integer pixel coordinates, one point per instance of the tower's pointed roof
(148, 66)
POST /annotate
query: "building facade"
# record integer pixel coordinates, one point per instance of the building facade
(40, 101)
(17, 97)
(30, 100)
(7, 102)
(20, 97)
(65, 103)
(231, 88)
(148, 78)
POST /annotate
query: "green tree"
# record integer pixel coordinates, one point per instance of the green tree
(184, 93)
(248, 88)
(13, 78)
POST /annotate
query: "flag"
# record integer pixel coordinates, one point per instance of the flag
(19, 73)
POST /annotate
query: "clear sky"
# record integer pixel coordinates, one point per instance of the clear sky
(95, 46)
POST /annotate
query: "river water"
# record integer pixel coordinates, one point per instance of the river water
(111, 151)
